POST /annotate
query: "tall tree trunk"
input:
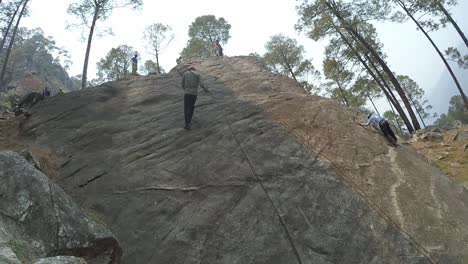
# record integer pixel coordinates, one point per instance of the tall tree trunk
(288, 66)
(372, 102)
(465, 99)
(396, 117)
(342, 93)
(450, 18)
(157, 63)
(7, 30)
(382, 78)
(88, 49)
(384, 65)
(382, 87)
(417, 109)
(10, 45)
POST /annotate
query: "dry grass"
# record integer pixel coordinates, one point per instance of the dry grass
(449, 155)
(10, 140)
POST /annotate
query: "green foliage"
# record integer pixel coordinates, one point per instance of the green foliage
(198, 49)
(285, 56)
(415, 95)
(335, 70)
(203, 33)
(150, 67)
(455, 112)
(366, 87)
(116, 64)
(348, 97)
(445, 121)
(394, 120)
(209, 29)
(86, 11)
(15, 246)
(7, 99)
(454, 55)
(35, 55)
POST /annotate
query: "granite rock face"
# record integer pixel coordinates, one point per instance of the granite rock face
(61, 260)
(266, 175)
(38, 219)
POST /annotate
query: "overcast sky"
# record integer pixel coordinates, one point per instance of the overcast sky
(253, 23)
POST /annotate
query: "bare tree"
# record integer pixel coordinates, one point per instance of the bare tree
(158, 37)
(89, 12)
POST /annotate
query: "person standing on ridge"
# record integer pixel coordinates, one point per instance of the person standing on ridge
(191, 79)
(219, 49)
(135, 64)
(375, 119)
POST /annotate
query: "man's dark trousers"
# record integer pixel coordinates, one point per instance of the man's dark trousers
(385, 127)
(189, 107)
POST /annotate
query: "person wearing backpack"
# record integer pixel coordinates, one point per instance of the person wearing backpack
(191, 80)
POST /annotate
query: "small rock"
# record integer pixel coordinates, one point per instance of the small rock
(432, 136)
(461, 136)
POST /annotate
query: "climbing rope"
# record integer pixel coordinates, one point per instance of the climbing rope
(254, 173)
(356, 188)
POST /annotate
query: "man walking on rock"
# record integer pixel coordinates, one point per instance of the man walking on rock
(190, 82)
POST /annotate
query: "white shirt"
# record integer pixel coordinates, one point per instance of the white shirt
(374, 119)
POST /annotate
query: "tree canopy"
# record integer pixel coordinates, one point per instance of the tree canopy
(203, 33)
(285, 56)
(116, 64)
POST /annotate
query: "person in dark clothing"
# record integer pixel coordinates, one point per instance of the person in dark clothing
(46, 92)
(375, 119)
(191, 79)
(135, 64)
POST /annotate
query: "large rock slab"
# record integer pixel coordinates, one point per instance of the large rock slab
(267, 175)
(38, 219)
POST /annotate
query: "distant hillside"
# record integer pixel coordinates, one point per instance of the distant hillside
(445, 88)
(34, 65)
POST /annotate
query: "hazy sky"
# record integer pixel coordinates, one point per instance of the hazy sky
(253, 23)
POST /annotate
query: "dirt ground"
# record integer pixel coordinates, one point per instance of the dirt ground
(450, 154)
(11, 140)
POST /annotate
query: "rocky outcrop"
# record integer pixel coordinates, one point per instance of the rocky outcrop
(267, 174)
(38, 219)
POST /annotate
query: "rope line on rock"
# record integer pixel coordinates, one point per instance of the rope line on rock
(254, 173)
(340, 174)
(252, 169)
